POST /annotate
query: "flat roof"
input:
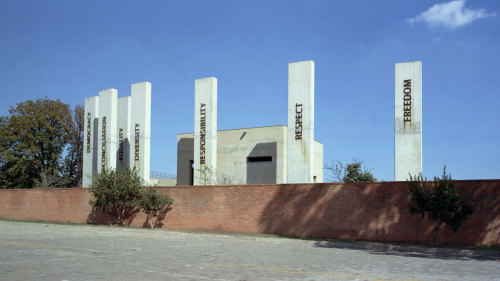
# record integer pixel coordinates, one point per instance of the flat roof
(246, 129)
(240, 129)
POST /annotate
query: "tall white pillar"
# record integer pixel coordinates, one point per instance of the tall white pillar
(300, 131)
(90, 140)
(205, 131)
(140, 129)
(407, 120)
(107, 144)
(123, 126)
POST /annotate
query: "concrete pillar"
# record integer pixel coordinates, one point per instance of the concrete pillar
(107, 144)
(90, 140)
(140, 129)
(407, 120)
(205, 131)
(123, 125)
(300, 131)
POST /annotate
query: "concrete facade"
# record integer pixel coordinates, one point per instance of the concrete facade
(301, 122)
(107, 132)
(244, 156)
(407, 120)
(318, 162)
(163, 182)
(123, 125)
(140, 128)
(90, 135)
(205, 131)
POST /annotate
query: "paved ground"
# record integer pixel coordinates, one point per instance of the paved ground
(33, 251)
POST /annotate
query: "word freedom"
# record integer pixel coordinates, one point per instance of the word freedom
(203, 118)
(407, 101)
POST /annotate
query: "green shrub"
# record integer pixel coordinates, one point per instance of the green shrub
(116, 193)
(440, 201)
(121, 194)
(153, 203)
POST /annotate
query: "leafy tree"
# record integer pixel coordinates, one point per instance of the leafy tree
(153, 203)
(439, 201)
(116, 193)
(16, 171)
(32, 141)
(353, 172)
(73, 161)
(356, 173)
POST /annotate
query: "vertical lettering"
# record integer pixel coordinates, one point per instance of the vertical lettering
(103, 136)
(89, 120)
(298, 121)
(203, 118)
(136, 150)
(120, 141)
(407, 100)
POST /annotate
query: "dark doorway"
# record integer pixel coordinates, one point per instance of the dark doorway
(261, 164)
(191, 172)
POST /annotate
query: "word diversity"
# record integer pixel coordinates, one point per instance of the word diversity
(137, 139)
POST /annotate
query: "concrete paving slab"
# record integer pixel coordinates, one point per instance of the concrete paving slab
(38, 251)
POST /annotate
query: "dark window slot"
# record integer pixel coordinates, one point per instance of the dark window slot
(260, 159)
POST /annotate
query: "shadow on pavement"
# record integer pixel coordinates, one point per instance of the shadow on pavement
(413, 251)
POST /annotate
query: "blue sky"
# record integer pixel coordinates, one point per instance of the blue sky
(72, 49)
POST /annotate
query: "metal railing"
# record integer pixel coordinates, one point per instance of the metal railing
(161, 175)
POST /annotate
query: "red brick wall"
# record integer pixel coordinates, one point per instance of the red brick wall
(375, 211)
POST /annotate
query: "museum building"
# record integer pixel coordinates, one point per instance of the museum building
(245, 156)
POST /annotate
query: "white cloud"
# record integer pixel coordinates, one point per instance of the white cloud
(451, 15)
